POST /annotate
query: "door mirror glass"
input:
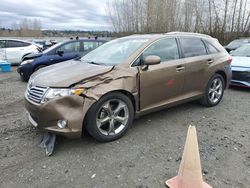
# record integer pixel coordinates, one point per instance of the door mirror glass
(60, 52)
(151, 60)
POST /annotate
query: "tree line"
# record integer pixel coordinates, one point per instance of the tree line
(24, 28)
(223, 19)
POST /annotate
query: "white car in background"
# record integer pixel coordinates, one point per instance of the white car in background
(13, 51)
(241, 66)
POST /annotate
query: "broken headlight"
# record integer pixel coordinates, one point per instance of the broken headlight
(53, 93)
(27, 61)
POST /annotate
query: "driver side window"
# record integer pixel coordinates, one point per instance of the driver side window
(166, 49)
(70, 47)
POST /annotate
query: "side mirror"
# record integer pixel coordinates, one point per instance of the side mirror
(60, 53)
(151, 60)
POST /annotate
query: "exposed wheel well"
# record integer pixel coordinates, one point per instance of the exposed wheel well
(223, 74)
(129, 95)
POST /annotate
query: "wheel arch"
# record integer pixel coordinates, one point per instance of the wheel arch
(38, 65)
(124, 92)
(223, 74)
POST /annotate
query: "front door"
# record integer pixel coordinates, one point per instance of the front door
(162, 83)
(70, 50)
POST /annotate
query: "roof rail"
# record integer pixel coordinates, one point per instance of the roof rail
(186, 33)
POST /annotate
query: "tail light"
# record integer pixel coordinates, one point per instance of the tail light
(229, 61)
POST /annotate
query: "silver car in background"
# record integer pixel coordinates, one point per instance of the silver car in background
(241, 66)
(13, 51)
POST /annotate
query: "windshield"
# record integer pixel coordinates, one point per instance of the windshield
(236, 43)
(114, 52)
(243, 51)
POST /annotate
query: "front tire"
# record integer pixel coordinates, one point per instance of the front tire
(214, 91)
(110, 117)
(39, 67)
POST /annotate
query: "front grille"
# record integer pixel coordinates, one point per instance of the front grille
(241, 76)
(35, 93)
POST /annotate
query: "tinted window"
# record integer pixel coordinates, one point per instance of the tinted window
(193, 47)
(2, 43)
(70, 47)
(15, 44)
(89, 45)
(166, 49)
(211, 48)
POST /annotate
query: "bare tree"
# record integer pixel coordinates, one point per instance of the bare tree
(218, 18)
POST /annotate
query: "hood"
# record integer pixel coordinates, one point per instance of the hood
(241, 61)
(67, 73)
(32, 56)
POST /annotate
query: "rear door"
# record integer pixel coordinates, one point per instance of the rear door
(197, 62)
(15, 50)
(70, 50)
(2, 49)
(162, 83)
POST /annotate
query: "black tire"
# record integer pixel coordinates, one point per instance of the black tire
(23, 78)
(97, 109)
(39, 67)
(206, 99)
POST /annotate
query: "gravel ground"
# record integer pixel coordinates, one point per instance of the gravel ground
(145, 157)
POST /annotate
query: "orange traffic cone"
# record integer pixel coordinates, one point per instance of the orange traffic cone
(189, 175)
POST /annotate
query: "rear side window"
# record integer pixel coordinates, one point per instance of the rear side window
(166, 49)
(211, 48)
(193, 47)
(2, 44)
(16, 44)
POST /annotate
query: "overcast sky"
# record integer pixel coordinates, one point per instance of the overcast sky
(57, 14)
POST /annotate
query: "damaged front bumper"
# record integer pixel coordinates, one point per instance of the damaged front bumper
(241, 77)
(47, 115)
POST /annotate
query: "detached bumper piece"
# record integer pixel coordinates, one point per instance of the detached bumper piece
(48, 143)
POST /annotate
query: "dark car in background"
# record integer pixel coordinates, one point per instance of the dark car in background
(58, 53)
(236, 44)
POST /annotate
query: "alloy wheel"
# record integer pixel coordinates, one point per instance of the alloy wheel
(215, 90)
(112, 117)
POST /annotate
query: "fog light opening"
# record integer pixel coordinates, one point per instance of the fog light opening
(62, 124)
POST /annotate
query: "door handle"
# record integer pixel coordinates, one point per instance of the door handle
(180, 68)
(210, 61)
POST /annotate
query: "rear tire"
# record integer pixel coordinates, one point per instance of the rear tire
(214, 91)
(110, 117)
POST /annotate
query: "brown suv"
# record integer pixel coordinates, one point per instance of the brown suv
(124, 78)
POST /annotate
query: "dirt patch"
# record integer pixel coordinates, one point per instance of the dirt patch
(145, 157)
